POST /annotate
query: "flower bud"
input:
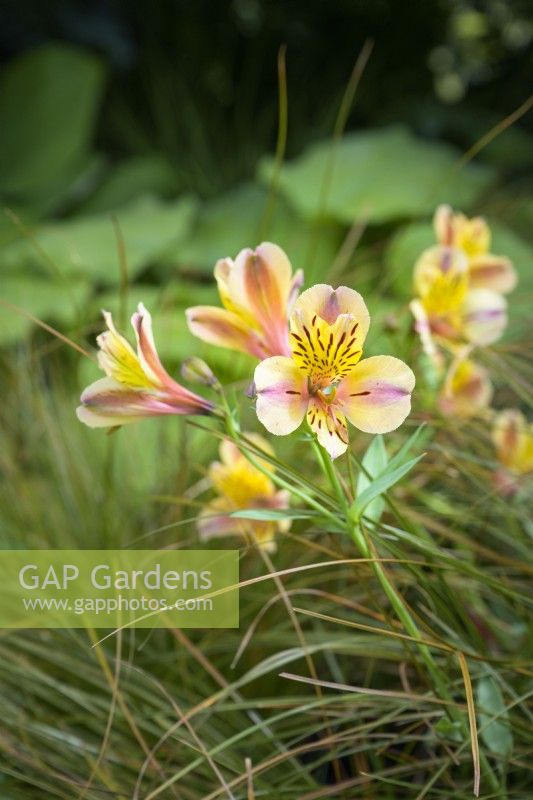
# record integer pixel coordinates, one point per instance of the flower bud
(195, 370)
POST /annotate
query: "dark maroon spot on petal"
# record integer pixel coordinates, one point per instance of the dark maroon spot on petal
(313, 321)
(359, 394)
(298, 338)
(341, 340)
(291, 391)
(354, 329)
(349, 345)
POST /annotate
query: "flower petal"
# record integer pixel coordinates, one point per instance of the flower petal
(441, 278)
(513, 439)
(241, 482)
(329, 303)
(260, 283)
(467, 390)
(325, 352)
(224, 328)
(222, 272)
(484, 315)
(296, 285)
(327, 331)
(146, 350)
(329, 424)
(492, 272)
(230, 455)
(93, 419)
(282, 395)
(215, 522)
(376, 396)
(118, 359)
(260, 280)
(456, 230)
(443, 225)
(423, 329)
(107, 402)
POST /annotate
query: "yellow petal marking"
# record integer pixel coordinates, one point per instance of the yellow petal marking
(325, 352)
(118, 359)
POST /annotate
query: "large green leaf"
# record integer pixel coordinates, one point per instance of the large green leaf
(49, 98)
(148, 175)
(233, 221)
(379, 175)
(408, 243)
(88, 245)
(61, 302)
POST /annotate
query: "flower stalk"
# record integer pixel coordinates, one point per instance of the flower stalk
(356, 532)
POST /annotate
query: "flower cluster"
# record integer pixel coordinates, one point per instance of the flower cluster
(309, 350)
(460, 305)
(459, 286)
(459, 308)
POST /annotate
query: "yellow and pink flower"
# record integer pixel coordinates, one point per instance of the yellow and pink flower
(448, 311)
(467, 390)
(324, 380)
(512, 436)
(257, 290)
(240, 485)
(473, 238)
(137, 385)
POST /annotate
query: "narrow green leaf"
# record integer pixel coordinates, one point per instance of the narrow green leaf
(374, 463)
(406, 448)
(381, 485)
(272, 514)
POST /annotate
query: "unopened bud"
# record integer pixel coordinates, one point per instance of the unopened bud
(195, 370)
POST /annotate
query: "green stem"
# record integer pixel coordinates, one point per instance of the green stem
(234, 432)
(354, 529)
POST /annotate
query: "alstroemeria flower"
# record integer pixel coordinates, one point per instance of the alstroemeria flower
(240, 485)
(448, 308)
(512, 436)
(467, 390)
(257, 291)
(137, 385)
(473, 238)
(324, 379)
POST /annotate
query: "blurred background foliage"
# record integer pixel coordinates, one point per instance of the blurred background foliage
(163, 115)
